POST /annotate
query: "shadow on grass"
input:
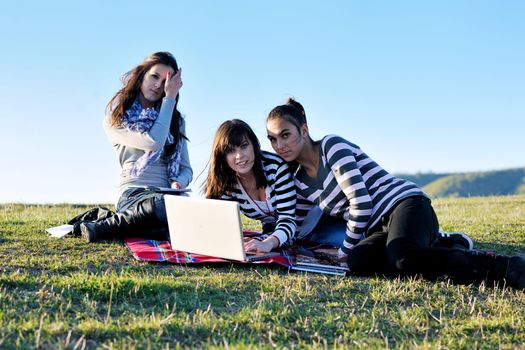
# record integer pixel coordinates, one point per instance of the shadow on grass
(169, 303)
(197, 314)
(500, 248)
(8, 223)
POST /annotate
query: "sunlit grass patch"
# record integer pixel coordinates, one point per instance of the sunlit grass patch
(65, 293)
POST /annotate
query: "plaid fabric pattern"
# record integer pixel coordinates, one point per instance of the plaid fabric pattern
(160, 251)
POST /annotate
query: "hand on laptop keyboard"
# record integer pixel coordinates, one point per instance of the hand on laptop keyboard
(254, 245)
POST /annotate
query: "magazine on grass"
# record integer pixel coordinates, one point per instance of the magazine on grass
(319, 259)
(60, 231)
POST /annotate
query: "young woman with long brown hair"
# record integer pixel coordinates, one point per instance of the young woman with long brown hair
(148, 134)
(259, 181)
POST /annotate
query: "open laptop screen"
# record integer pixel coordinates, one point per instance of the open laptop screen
(205, 226)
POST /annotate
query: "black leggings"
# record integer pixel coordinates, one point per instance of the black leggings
(401, 243)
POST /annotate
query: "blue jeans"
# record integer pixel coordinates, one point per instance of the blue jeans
(329, 230)
(131, 197)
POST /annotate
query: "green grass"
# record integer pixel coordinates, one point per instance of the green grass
(64, 293)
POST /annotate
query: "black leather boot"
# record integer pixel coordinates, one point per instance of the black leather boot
(147, 219)
(499, 268)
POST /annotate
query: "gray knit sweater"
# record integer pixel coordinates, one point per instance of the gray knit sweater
(131, 145)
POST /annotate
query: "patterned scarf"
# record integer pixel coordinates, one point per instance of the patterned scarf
(140, 119)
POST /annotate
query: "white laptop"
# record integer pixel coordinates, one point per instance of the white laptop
(208, 227)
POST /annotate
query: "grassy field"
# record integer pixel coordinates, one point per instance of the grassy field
(64, 293)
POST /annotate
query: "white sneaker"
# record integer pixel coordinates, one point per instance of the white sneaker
(454, 240)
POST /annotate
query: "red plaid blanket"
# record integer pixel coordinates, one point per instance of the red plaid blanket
(160, 251)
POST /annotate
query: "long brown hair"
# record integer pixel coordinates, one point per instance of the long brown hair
(221, 178)
(132, 81)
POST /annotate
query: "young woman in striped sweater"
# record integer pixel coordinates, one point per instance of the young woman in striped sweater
(260, 181)
(390, 223)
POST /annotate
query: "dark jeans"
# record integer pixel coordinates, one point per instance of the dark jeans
(147, 211)
(401, 243)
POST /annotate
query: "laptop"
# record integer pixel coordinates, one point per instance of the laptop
(208, 227)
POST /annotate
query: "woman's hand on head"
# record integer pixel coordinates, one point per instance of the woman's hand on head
(173, 83)
(254, 245)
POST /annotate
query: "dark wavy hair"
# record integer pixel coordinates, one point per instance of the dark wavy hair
(291, 111)
(221, 178)
(132, 81)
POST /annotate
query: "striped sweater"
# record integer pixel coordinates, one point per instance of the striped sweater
(350, 185)
(280, 199)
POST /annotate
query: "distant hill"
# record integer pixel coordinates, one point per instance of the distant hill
(487, 183)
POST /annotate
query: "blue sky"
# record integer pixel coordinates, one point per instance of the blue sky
(420, 85)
